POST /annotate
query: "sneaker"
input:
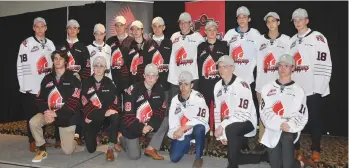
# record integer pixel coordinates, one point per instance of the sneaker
(40, 155)
(260, 149)
(316, 156)
(198, 163)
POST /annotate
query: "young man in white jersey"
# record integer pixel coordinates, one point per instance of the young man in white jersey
(33, 63)
(243, 48)
(271, 46)
(312, 72)
(284, 113)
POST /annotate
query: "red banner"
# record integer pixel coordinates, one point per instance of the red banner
(203, 11)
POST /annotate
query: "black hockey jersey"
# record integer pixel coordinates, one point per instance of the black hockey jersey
(96, 101)
(63, 96)
(136, 62)
(208, 54)
(79, 58)
(119, 59)
(141, 109)
(160, 56)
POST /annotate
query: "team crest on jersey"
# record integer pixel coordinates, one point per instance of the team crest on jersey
(132, 51)
(35, 48)
(209, 68)
(263, 46)
(181, 57)
(93, 53)
(224, 111)
(151, 48)
(320, 38)
(71, 65)
(95, 101)
(134, 64)
(245, 85)
(42, 65)
(271, 92)
(50, 84)
(90, 90)
(269, 63)
(219, 93)
(278, 108)
(233, 39)
(25, 42)
(144, 112)
(238, 55)
(158, 60)
(55, 100)
(178, 109)
(117, 60)
(299, 63)
(140, 98)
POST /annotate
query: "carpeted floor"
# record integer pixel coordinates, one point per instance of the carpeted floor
(334, 149)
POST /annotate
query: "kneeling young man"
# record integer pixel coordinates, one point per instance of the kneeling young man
(58, 101)
(144, 111)
(188, 120)
(100, 102)
(235, 113)
(284, 114)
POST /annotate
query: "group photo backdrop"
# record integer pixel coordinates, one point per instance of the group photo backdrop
(321, 16)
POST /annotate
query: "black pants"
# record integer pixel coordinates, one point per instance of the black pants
(91, 130)
(235, 134)
(315, 106)
(282, 155)
(30, 109)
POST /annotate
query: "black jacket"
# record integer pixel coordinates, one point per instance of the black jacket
(160, 56)
(136, 63)
(62, 96)
(97, 101)
(141, 109)
(119, 68)
(79, 58)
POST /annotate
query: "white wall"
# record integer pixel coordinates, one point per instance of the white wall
(8, 8)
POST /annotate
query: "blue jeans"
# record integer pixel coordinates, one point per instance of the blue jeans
(179, 148)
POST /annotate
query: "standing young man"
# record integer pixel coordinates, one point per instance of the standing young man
(144, 111)
(208, 54)
(235, 113)
(243, 48)
(58, 101)
(188, 118)
(271, 46)
(157, 51)
(312, 72)
(284, 113)
(33, 63)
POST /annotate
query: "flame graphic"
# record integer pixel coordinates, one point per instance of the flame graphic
(55, 100)
(224, 110)
(144, 112)
(278, 108)
(117, 60)
(209, 68)
(237, 53)
(134, 64)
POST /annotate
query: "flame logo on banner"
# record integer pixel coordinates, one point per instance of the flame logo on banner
(127, 13)
(55, 100)
(144, 112)
(42, 65)
(269, 63)
(117, 60)
(224, 111)
(209, 68)
(134, 64)
(278, 108)
(95, 101)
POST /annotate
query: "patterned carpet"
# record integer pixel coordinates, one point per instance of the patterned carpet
(334, 149)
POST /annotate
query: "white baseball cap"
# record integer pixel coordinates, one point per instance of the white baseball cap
(271, 14)
(158, 20)
(99, 27)
(211, 24)
(185, 77)
(151, 68)
(286, 59)
(299, 13)
(137, 23)
(73, 23)
(185, 16)
(242, 10)
(226, 59)
(120, 19)
(99, 60)
(39, 19)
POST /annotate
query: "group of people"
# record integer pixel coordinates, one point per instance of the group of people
(186, 86)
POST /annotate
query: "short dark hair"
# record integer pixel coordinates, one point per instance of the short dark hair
(62, 53)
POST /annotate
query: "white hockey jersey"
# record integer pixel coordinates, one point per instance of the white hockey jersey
(194, 112)
(269, 52)
(313, 62)
(33, 63)
(100, 50)
(183, 55)
(234, 103)
(282, 103)
(243, 47)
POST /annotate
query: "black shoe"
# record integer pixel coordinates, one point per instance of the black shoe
(260, 149)
(245, 149)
